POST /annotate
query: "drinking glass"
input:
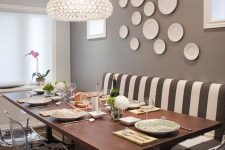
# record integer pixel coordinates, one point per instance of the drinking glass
(148, 106)
(71, 87)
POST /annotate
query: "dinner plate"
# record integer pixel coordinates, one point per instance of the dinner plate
(38, 101)
(123, 32)
(150, 29)
(67, 114)
(191, 51)
(175, 32)
(167, 6)
(134, 44)
(149, 9)
(137, 3)
(157, 126)
(134, 105)
(136, 18)
(159, 46)
(123, 3)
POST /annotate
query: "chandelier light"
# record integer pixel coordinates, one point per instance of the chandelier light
(79, 10)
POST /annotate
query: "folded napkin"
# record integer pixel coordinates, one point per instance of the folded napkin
(139, 111)
(135, 137)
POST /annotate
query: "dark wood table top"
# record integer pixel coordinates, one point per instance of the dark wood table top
(99, 135)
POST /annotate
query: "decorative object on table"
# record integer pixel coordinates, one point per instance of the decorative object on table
(157, 126)
(150, 29)
(123, 3)
(159, 46)
(79, 10)
(48, 89)
(139, 111)
(60, 88)
(40, 77)
(129, 121)
(149, 9)
(134, 136)
(123, 32)
(136, 18)
(134, 44)
(167, 6)
(137, 3)
(191, 51)
(96, 29)
(175, 32)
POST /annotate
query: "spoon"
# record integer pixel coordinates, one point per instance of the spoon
(91, 120)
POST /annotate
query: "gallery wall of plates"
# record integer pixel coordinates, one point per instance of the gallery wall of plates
(151, 27)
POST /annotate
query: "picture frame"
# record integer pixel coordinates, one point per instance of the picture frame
(96, 29)
(210, 6)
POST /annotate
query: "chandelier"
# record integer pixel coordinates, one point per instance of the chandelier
(79, 10)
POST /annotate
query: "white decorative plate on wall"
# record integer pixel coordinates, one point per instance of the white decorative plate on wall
(134, 44)
(137, 3)
(167, 6)
(191, 51)
(149, 8)
(136, 18)
(175, 32)
(159, 46)
(150, 29)
(123, 31)
(123, 3)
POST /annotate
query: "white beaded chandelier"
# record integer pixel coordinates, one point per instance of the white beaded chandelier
(79, 10)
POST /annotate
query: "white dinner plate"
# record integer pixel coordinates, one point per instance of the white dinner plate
(38, 101)
(150, 29)
(149, 9)
(157, 126)
(175, 32)
(123, 3)
(191, 51)
(123, 32)
(137, 3)
(167, 6)
(67, 114)
(134, 44)
(136, 18)
(159, 46)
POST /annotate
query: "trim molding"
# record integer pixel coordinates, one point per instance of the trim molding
(22, 8)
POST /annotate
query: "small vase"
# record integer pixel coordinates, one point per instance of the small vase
(116, 113)
(40, 81)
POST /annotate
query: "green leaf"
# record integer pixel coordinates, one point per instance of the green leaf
(47, 72)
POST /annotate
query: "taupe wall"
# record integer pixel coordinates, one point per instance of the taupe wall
(90, 59)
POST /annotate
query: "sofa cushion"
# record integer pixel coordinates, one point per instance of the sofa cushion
(195, 98)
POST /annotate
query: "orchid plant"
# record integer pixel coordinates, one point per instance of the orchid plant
(37, 73)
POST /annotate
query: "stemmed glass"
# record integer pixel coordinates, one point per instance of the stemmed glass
(71, 87)
(147, 107)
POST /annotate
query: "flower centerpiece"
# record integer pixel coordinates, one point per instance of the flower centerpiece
(49, 89)
(40, 78)
(118, 105)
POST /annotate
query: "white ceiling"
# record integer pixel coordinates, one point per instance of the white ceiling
(37, 3)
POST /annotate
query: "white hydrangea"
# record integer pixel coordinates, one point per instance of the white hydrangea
(121, 102)
(60, 86)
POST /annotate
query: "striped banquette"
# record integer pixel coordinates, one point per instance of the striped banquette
(206, 100)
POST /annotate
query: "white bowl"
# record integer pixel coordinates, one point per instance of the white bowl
(97, 114)
(129, 120)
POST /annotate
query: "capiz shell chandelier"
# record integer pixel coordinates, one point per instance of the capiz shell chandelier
(79, 10)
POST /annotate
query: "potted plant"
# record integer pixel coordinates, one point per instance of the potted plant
(48, 88)
(40, 78)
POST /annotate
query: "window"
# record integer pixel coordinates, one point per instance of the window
(96, 29)
(214, 13)
(19, 34)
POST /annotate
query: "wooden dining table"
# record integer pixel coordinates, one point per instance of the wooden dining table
(99, 134)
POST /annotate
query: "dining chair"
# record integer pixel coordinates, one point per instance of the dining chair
(23, 138)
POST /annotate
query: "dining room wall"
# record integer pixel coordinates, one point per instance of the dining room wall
(91, 58)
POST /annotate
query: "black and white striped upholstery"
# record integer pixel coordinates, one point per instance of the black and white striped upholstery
(206, 100)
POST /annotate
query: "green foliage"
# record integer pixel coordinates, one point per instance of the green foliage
(111, 101)
(40, 76)
(114, 93)
(48, 87)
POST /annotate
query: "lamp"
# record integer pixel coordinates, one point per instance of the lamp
(79, 10)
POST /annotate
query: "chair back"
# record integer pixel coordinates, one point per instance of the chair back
(18, 134)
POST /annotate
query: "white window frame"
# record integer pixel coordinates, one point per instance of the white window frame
(98, 35)
(208, 21)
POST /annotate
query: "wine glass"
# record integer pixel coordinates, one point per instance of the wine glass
(71, 87)
(148, 107)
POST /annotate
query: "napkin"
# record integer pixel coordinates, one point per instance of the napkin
(139, 111)
(135, 137)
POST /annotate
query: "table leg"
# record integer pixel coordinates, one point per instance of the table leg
(49, 135)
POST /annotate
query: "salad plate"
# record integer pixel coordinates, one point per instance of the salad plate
(38, 101)
(149, 9)
(137, 3)
(157, 126)
(134, 44)
(167, 6)
(175, 32)
(191, 51)
(150, 29)
(136, 18)
(67, 114)
(123, 32)
(123, 3)
(159, 46)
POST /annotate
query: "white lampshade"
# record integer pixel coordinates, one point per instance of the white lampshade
(79, 10)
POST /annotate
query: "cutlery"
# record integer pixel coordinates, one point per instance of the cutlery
(188, 129)
(126, 133)
(138, 136)
(89, 119)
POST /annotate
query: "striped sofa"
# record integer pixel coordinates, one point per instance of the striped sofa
(206, 100)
